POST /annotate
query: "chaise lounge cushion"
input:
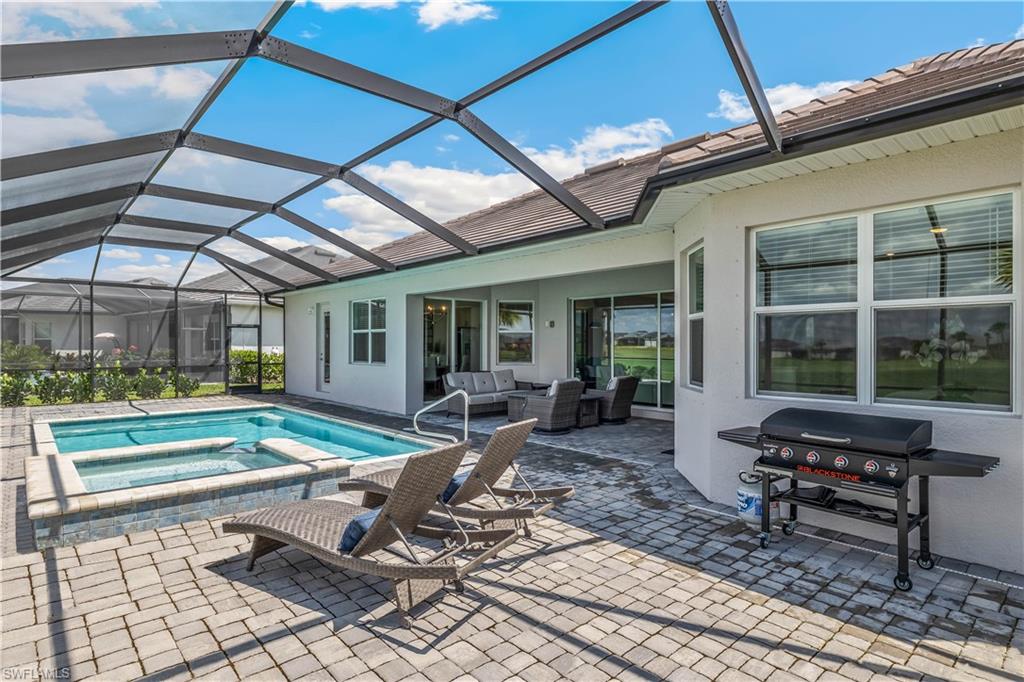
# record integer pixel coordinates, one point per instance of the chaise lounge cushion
(356, 529)
(454, 485)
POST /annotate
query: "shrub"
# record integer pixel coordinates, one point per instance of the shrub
(244, 367)
(184, 384)
(115, 384)
(79, 387)
(52, 388)
(150, 384)
(14, 388)
(25, 356)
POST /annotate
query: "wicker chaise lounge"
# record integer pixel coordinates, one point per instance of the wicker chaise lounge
(317, 526)
(513, 507)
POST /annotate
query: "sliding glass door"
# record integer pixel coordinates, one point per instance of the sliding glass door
(452, 341)
(629, 335)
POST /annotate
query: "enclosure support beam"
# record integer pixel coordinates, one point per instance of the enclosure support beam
(83, 155)
(64, 204)
(730, 32)
(406, 211)
(198, 197)
(508, 151)
(37, 60)
(332, 238)
(164, 224)
(45, 254)
(41, 237)
(248, 152)
(283, 256)
(244, 267)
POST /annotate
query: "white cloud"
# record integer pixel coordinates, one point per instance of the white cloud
(283, 243)
(735, 107)
(335, 5)
(451, 137)
(161, 258)
(122, 254)
(447, 193)
(1019, 35)
(436, 13)
(24, 22)
(978, 42)
(26, 134)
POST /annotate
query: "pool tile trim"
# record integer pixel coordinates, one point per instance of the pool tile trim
(174, 446)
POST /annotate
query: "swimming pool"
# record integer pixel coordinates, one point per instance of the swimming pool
(248, 426)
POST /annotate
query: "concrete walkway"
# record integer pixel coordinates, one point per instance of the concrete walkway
(636, 578)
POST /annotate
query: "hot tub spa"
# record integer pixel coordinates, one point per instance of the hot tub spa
(96, 478)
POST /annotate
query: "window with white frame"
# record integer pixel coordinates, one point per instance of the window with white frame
(515, 332)
(695, 316)
(910, 305)
(369, 331)
(42, 335)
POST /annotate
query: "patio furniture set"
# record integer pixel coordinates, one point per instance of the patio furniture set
(447, 523)
(558, 407)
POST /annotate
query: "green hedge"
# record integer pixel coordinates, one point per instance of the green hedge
(244, 367)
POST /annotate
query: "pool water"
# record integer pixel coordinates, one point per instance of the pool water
(247, 426)
(128, 472)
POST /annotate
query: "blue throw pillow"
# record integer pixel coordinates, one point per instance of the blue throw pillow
(356, 529)
(454, 485)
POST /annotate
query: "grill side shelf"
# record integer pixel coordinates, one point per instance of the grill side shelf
(949, 463)
(748, 436)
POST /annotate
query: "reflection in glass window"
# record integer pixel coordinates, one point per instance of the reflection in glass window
(807, 353)
(515, 332)
(949, 354)
(369, 331)
(635, 339)
(956, 248)
(807, 264)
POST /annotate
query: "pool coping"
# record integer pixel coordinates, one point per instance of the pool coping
(54, 488)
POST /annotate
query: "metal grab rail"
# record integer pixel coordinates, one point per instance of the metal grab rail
(446, 436)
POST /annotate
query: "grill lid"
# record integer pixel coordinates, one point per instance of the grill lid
(883, 435)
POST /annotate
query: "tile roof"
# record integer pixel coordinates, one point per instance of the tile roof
(613, 189)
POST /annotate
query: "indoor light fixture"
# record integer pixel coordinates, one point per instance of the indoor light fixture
(938, 229)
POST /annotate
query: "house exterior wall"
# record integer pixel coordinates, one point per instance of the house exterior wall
(977, 520)
(548, 273)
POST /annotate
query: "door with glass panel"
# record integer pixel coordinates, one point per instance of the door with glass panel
(243, 351)
(323, 346)
(629, 335)
(452, 341)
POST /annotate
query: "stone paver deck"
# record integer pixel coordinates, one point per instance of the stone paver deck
(634, 579)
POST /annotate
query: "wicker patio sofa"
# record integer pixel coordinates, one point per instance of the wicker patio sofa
(417, 558)
(475, 495)
(488, 391)
(617, 398)
(554, 409)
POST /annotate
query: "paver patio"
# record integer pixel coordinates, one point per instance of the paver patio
(676, 590)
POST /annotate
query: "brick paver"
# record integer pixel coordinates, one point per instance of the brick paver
(636, 578)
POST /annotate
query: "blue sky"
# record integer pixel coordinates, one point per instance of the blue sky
(664, 77)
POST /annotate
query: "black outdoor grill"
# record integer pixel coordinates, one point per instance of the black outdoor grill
(839, 452)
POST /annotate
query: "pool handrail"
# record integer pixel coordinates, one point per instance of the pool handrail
(446, 436)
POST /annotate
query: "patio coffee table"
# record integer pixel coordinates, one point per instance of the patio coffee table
(516, 401)
(589, 412)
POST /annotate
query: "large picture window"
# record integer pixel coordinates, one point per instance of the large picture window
(515, 332)
(933, 306)
(369, 331)
(695, 315)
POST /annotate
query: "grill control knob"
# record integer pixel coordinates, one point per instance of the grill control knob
(842, 462)
(787, 453)
(813, 457)
(871, 466)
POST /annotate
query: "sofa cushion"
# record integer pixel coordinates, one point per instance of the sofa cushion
(499, 397)
(504, 380)
(454, 485)
(553, 388)
(481, 398)
(356, 529)
(483, 382)
(463, 380)
(612, 384)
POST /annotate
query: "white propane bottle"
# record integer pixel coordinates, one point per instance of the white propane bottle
(749, 504)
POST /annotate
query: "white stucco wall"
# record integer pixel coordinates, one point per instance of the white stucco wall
(547, 273)
(977, 520)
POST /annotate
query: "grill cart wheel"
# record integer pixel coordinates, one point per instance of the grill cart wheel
(765, 539)
(903, 584)
(789, 528)
(926, 562)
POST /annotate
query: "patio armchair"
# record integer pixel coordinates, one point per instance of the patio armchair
(617, 398)
(468, 492)
(390, 542)
(555, 409)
